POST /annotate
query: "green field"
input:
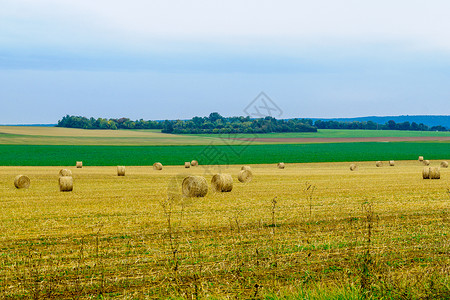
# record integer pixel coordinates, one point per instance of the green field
(53, 146)
(61, 155)
(21, 135)
(339, 133)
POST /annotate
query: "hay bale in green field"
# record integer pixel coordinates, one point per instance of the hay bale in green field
(65, 183)
(120, 170)
(65, 172)
(245, 176)
(22, 182)
(194, 186)
(222, 183)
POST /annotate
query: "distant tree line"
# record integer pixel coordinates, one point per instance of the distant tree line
(215, 123)
(100, 123)
(370, 125)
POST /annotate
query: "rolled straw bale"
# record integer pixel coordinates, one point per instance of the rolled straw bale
(22, 182)
(426, 173)
(194, 186)
(222, 183)
(66, 184)
(194, 163)
(187, 165)
(420, 158)
(65, 172)
(353, 167)
(435, 173)
(379, 163)
(444, 164)
(246, 168)
(280, 165)
(157, 166)
(392, 163)
(79, 164)
(426, 162)
(245, 176)
(120, 170)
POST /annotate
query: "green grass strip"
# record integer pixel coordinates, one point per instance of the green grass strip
(55, 155)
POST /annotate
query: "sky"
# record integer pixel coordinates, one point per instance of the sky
(177, 59)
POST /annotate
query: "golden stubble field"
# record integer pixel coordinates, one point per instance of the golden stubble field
(374, 232)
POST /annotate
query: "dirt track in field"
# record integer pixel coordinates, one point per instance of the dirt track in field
(348, 140)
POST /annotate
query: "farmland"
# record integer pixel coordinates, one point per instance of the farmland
(314, 230)
(23, 135)
(46, 146)
(110, 236)
(55, 155)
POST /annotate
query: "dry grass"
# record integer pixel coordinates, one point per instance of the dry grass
(111, 236)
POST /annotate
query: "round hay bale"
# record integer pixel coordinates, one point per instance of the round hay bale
(353, 167)
(420, 158)
(246, 168)
(120, 170)
(426, 173)
(280, 165)
(22, 182)
(444, 164)
(79, 164)
(194, 186)
(245, 176)
(379, 164)
(435, 173)
(187, 165)
(194, 163)
(392, 163)
(222, 183)
(65, 172)
(157, 166)
(426, 162)
(66, 184)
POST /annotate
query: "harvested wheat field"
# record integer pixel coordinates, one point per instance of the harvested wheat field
(308, 231)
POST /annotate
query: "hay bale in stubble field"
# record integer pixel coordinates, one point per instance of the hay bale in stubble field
(222, 183)
(22, 182)
(187, 165)
(246, 168)
(444, 164)
(353, 167)
(426, 162)
(194, 163)
(66, 184)
(245, 176)
(426, 173)
(120, 170)
(391, 163)
(65, 172)
(79, 164)
(435, 173)
(194, 186)
(379, 164)
(280, 165)
(420, 158)
(157, 166)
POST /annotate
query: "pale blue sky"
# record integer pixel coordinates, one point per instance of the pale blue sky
(177, 59)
